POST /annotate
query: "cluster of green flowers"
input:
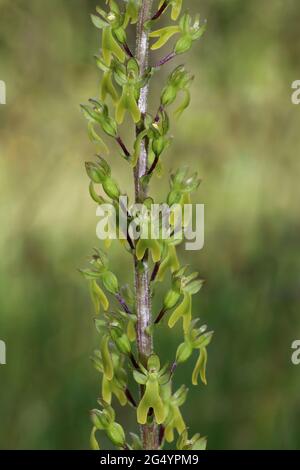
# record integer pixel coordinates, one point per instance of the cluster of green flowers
(115, 306)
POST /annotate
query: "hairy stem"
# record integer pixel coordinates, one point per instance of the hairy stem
(149, 433)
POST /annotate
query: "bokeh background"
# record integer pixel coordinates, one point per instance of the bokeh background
(241, 134)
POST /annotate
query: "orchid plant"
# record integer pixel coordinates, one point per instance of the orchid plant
(124, 317)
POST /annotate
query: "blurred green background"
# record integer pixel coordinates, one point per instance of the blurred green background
(241, 133)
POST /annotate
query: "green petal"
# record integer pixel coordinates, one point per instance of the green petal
(169, 433)
(93, 441)
(98, 297)
(106, 358)
(176, 9)
(185, 103)
(131, 332)
(106, 52)
(121, 108)
(133, 108)
(141, 248)
(200, 368)
(95, 138)
(107, 87)
(183, 309)
(106, 390)
(155, 249)
(139, 377)
(120, 394)
(164, 34)
(173, 258)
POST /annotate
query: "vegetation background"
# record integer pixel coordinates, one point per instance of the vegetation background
(241, 133)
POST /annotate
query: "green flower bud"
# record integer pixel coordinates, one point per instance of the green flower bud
(116, 434)
(94, 172)
(171, 299)
(120, 35)
(110, 282)
(184, 352)
(168, 95)
(121, 340)
(111, 188)
(183, 45)
(99, 419)
(98, 199)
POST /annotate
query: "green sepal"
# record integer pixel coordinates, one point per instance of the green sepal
(98, 22)
(110, 282)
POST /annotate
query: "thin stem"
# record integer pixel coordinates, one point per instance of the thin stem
(123, 146)
(127, 50)
(123, 303)
(160, 316)
(155, 271)
(149, 433)
(160, 11)
(153, 166)
(130, 397)
(165, 59)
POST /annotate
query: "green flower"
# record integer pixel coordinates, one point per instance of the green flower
(172, 403)
(195, 443)
(145, 241)
(104, 420)
(170, 259)
(128, 77)
(117, 385)
(152, 379)
(120, 338)
(97, 113)
(178, 81)
(183, 287)
(189, 31)
(196, 338)
(113, 32)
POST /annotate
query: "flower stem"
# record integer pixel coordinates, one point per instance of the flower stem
(149, 433)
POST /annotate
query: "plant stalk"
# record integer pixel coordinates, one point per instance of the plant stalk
(149, 433)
